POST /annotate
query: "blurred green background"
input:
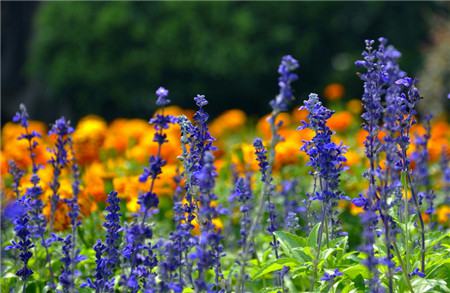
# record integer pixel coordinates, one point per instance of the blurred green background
(107, 58)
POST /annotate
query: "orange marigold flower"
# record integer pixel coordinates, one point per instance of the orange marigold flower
(354, 106)
(340, 121)
(88, 139)
(355, 210)
(300, 115)
(443, 214)
(334, 91)
(263, 125)
(228, 121)
(353, 158)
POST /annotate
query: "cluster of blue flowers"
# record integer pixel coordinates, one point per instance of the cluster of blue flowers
(132, 259)
(390, 98)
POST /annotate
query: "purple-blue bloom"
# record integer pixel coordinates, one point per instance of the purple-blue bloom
(23, 245)
(36, 223)
(285, 96)
(330, 277)
(59, 160)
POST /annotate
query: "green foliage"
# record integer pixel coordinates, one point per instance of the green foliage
(300, 252)
(104, 57)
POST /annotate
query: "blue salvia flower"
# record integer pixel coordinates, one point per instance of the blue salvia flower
(101, 283)
(285, 96)
(390, 183)
(243, 195)
(197, 138)
(68, 274)
(189, 160)
(261, 157)
(139, 254)
(71, 255)
(374, 80)
(138, 251)
(113, 236)
(291, 206)
(17, 175)
(369, 220)
(330, 277)
(162, 99)
(32, 199)
(149, 200)
(59, 160)
(201, 139)
(410, 97)
(209, 250)
(278, 105)
(13, 210)
(23, 246)
(171, 266)
(325, 157)
(107, 254)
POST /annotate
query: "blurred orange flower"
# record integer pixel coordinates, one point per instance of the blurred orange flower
(88, 139)
(334, 91)
(340, 121)
(354, 106)
(228, 121)
(263, 125)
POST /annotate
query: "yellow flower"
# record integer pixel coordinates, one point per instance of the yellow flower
(88, 139)
(355, 210)
(443, 214)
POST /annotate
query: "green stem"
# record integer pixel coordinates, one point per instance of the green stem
(406, 220)
(404, 269)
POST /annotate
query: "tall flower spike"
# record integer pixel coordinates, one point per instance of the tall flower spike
(410, 97)
(32, 199)
(326, 159)
(209, 250)
(138, 250)
(172, 251)
(108, 254)
(244, 195)
(24, 246)
(59, 160)
(261, 157)
(373, 79)
(285, 96)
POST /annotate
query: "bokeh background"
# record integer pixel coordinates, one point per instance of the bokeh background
(107, 58)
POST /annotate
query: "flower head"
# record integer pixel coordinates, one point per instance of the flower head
(285, 96)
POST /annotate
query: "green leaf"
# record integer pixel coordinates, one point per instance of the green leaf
(358, 269)
(359, 282)
(289, 242)
(426, 285)
(275, 265)
(312, 238)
